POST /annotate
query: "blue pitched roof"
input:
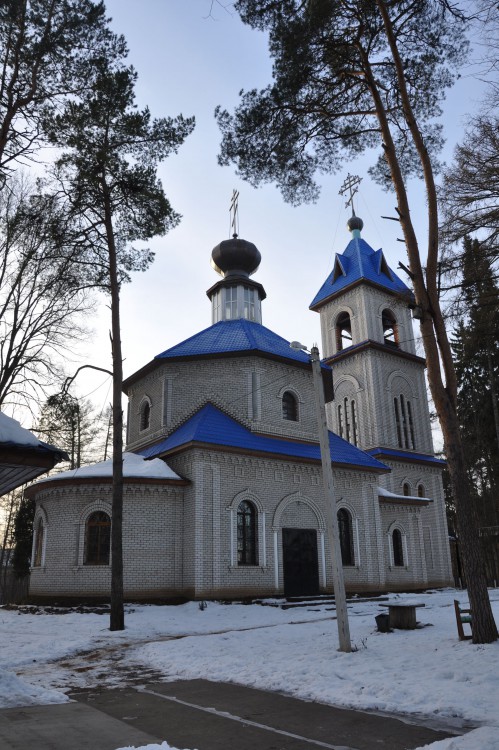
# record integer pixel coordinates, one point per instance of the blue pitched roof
(359, 261)
(210, 425)
(406, 456)
(235, 336)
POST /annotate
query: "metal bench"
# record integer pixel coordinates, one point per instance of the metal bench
(463, 616)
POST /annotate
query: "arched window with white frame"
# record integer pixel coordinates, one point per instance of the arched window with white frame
(343, 330)
(398, 549)
(390, 329)
(289, 406)
(145, 414)
(247, 542)
(39, 543)
(97, 538)
(345, 528)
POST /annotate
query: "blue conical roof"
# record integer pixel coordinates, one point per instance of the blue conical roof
(238, 335)
(359, 262)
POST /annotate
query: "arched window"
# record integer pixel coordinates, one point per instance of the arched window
(406, 489)
(421, 491)
(343, 331)
(404, 423)
(412, 443)
(398, 550)
(289, 407)
(346, 537)
(39, 534)
(97, 538)
(246, 534)
(347, 419)
(390, 331)
(340, 421)
(397, 422)
(354, 423)
(145, 415)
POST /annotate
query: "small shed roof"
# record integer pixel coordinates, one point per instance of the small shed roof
(23, 457)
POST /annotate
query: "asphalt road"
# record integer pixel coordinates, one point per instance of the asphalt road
(202, 715)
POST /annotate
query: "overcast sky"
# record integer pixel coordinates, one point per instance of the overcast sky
(188, 63)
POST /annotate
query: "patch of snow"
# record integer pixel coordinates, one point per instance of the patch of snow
(133, 466)
(425, 672)
(386, 493)
(17, 692)
(12, 432)
(163, 746)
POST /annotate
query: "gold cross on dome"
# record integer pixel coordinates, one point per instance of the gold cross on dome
(233, 210)
(350, 185)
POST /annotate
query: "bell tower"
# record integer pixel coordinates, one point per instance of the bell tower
(368, 339)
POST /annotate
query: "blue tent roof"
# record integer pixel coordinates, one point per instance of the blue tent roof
(210, 425)
(359, 261)
(235, 336)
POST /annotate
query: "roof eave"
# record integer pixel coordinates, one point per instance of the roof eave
(315, 306)
(192, 444)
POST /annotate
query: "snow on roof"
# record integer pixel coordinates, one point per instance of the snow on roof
(386, 493)
(133, 466)
(12, 432)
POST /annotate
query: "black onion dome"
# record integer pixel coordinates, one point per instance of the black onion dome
(235, 256)
(355, 222)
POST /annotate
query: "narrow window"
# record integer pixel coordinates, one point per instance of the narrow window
(246, 534)
(347, 422)
(397, 422)
(167, 389)
(217, 306)
(255, 395)
(97, 539)
(340, 422)
(289, 407)
(249, 303)
(406, 489)
(411, 424)
(404, 422)
(37, 558)
(230, 303)
(145, 415)
(346, 537)
(343, 331)
(354, 422)
(398, 552)
(421, 491)
(390, 332)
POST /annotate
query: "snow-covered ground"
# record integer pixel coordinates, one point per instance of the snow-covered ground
(423, 672)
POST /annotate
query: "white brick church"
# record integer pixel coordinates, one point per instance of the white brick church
(223, 486)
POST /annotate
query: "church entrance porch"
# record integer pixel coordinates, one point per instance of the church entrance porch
(300, 562)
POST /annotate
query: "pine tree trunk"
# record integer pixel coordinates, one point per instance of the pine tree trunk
(117, 618)
(484, 628)
(435, 340)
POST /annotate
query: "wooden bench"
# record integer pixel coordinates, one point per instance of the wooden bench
(403, 616)
(463, 616)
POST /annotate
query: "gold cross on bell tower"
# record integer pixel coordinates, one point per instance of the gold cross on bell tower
(234, 213)
(350, 185)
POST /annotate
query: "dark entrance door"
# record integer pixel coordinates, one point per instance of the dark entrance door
(300, 562)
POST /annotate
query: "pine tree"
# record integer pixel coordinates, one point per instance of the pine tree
(69, 423)
(108, 176)
(350, 76)
(477, 369)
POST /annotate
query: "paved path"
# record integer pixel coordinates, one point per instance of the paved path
(203, 715)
